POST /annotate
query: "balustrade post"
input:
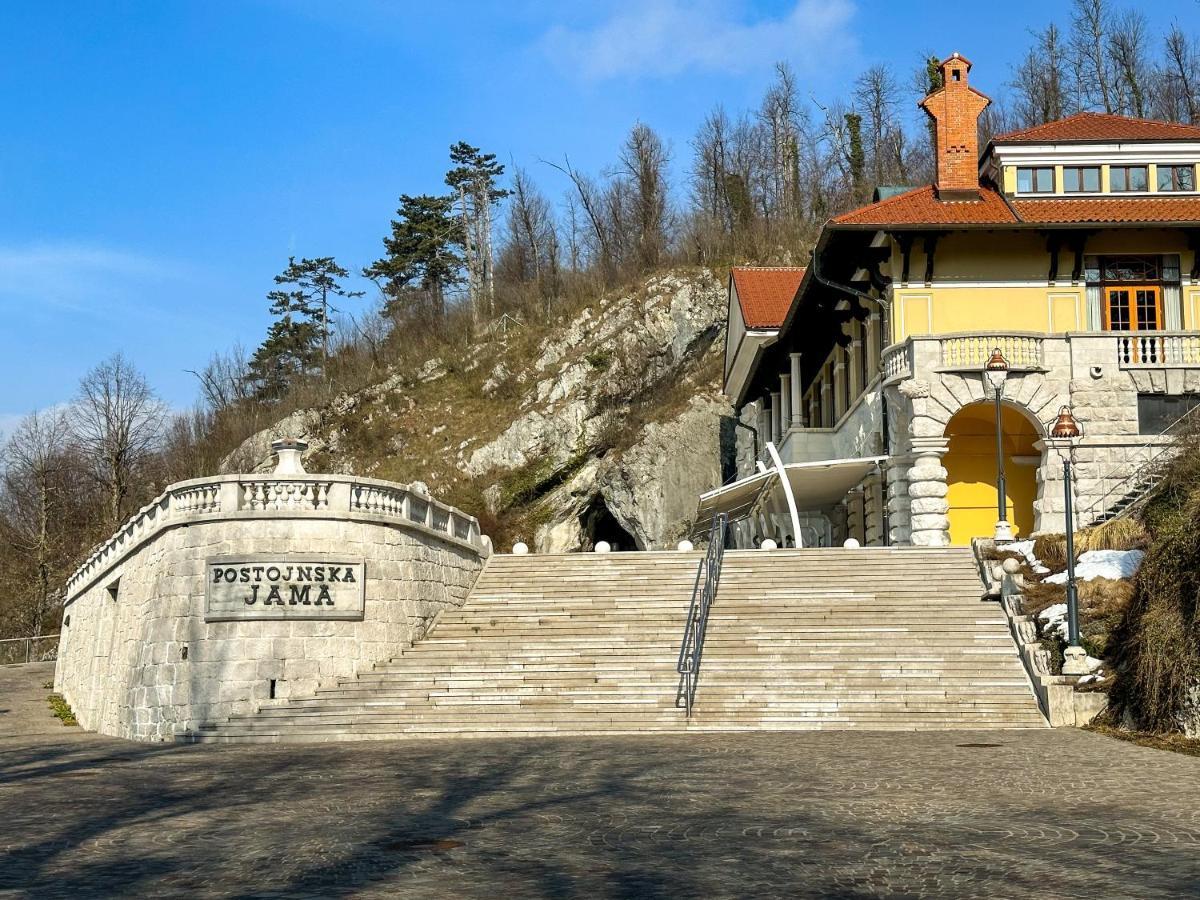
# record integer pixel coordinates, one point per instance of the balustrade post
(340, 496)
(229, 495)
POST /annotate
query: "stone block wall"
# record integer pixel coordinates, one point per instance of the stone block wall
(138, 660)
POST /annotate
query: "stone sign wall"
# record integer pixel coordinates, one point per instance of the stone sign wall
(182, 618)
(267, 587)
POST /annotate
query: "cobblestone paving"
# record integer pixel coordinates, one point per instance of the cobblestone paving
(998, 814)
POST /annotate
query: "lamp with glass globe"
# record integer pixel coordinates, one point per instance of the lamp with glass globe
(995, 373)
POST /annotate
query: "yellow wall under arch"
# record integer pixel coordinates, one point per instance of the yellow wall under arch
(970, 464)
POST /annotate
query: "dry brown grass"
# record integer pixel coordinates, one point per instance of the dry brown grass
(1051, 549)
(1117, 534)
(1174, 743)
(1158, 640)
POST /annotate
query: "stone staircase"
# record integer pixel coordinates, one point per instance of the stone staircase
(588, 644)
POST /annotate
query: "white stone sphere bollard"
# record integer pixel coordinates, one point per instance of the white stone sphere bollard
(520, 548)
(685, 546)
(603, 547)
(768, 544)
(1011, 565)
(485, 541)
(851, 543)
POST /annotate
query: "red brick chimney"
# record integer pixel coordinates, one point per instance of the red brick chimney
(955, 107)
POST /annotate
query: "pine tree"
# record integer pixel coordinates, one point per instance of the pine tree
(422, 256)
(473, 179)
(298, 341)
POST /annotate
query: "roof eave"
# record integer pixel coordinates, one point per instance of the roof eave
(996, 226)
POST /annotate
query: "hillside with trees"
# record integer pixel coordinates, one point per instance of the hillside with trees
(481, 279)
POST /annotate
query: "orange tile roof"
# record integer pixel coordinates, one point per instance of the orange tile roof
(921, 206)
(1090, 126)
(765, 293)
(1110, 209)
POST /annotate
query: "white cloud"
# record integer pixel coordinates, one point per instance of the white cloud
(8, 422)
(77, 277)
(668, 37)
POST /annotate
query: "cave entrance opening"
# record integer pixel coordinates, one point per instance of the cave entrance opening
(597, 523)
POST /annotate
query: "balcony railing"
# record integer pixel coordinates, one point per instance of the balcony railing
(1157, 349)
(971, 352)
(897, 361)
(962, 352)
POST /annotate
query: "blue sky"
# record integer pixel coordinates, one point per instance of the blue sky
(159, 161)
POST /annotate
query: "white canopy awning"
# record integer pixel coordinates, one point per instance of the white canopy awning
(813, 485)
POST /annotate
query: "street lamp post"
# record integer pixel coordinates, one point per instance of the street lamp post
(1075, 657)
(995, 373)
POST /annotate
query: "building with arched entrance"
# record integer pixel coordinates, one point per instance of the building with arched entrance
(1072, 247)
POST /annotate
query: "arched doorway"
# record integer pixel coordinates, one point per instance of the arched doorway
(970, 465)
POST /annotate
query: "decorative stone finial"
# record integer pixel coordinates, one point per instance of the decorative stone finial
(288, 450)
(603, 547)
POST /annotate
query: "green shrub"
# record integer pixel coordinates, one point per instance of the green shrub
(62, 709)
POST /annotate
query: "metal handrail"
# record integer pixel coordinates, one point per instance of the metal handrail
(704, 591)
(28, 641)
(1142, 472)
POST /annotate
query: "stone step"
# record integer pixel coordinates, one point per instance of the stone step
(588, 644)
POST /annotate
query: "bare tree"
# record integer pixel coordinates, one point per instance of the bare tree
(593, 201)
(1037, 84)
(1093, 76)
(35, 490)
(876, 96)
(644, 160)
(1127, 47)
(225, 379)
(118, 423)
(1180, 78)
(530, 251)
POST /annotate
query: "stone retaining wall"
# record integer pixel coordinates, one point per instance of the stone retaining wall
(138, 658)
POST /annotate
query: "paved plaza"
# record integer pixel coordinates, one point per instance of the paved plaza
(998, 814)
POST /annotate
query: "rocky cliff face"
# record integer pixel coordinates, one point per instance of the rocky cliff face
(603, 426)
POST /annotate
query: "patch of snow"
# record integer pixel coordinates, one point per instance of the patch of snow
(1114, 564)
(1025, 548)
(1055, 618)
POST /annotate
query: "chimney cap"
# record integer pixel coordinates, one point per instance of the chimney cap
(955, 57)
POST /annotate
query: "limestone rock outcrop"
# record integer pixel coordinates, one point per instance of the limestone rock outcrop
(612, 420)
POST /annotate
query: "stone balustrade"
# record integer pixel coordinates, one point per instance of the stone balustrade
(272, 496)
(970, 352)
(897, 361)
(1157, 349)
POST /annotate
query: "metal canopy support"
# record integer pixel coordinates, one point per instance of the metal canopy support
(787, 493)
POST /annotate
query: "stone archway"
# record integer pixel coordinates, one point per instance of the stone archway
(970, 464)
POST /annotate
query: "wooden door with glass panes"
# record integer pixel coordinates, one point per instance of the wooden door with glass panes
(1135, 308)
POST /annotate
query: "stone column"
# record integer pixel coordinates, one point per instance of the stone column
(872, 344)
(927, 489)
(899, 532)
(841, 372)
(1049, 509)
(785, 401)
(828, 410)
(764, 426)
(855, 363)
(776, 419)
(797, 400)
